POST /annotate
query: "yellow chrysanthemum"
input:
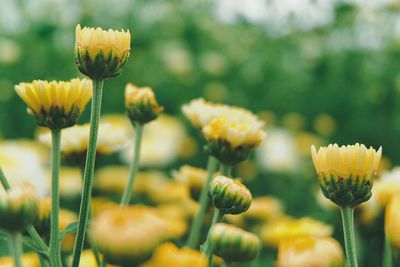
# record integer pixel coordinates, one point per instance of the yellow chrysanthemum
(263, 209)
(392, 221)
(310, 252)
(193, 177)
(28, 260)
(167, 254)
(141, 104)
(274, 232)
(101, 54)
(346, 173)
(56, 104)
(66, 218)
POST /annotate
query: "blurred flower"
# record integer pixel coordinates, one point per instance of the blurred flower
(167, 254)
(200, 112)
(304, 140)
(274, 232)
(336, 166)
(66, 218)
(74, 141)
(184, 209)
(392, 221)
(325, 124)
(28, 260)
(369, 210)
(234, 244)
(193, 177)
(30, 155)
(232, 137)
(42, 222)
(229, 196)
(263, 209)
(160, 190)
(98, 204)
(19, 207)
(177, 59)
(101, 54)
(268, 117)
(168, 144)
(386, 186)
(10, 51)
(141, 104)
(56, 104)
(70, 182)
(310, 252)
(213, 63)
(128, 235)
(293, 121)
(88, 259)
(277, 152)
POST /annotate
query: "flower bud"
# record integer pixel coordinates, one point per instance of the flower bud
(229, 196)
(234, 244)
(392, 222)
(56, 104)
(18, 208)
(346, 173)
(101, 54)
(310, 251)
(141, 104)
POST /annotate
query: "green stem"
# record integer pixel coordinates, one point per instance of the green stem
(349, 239)
(226, 170)
(55, 250)
(196, 225)
(134, 166)
(89, 170)
(15, 246)
(387, 254)
(207, 248)
(30, 229)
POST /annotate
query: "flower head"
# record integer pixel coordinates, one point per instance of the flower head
(310, 252)
(101, 54)
(141, 104)
(229, 196)
(28, 260)
(346, 173)
(167, 254)
(234, 244)
(392, 221)
(18, 208)
(193, 177)
(56, 104)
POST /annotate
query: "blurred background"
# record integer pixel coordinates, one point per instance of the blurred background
(317, 71)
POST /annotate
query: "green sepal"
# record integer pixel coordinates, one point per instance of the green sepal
(142, 112)
(224, 152)
(57, 118)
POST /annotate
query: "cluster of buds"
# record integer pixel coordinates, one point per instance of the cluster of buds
(229, 196)
(234, 244)
(141, 104)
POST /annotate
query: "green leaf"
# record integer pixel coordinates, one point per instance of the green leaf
(71, 228)
(32, 244)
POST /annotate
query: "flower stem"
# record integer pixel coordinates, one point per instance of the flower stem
(30, 229)
(225, 170)
(15, 246)
(196, 225)
(55, 252)
(387, 254)
(207, 249)
(126, 197)
(348, 231)
(89, 170)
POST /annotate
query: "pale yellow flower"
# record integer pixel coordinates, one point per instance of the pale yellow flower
(167, 254)
(56, 104)
(70, 182)
(310, 252)
(274, 232)
(66, 218)
(263, 209)
(386, 186)
(101, 54)
(325, 124)
(392, 221)
(193, 177)
(28, 260)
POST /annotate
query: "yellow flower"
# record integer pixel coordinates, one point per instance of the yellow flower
(28, 260)
(229, 196)
(263, 209)
(193, 177)
(234, 244)
(128, 235)
(141, 104)
(387, 186)
(274, 232)
(66, 218)
(101, 54)
(19, 207)
(56, 104)
(232, 137)
(392, 221)
(70, 182)
(310, 252)
(42, 223)
(200, 112)
(346, 173)
(185, 209)
(88, 259)
(167, 254)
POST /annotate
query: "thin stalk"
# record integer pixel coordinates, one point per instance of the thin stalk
(30, 229)
(55, 250)
(387, 254)
(89, 170)
(126, 197)
(212, 166)
(15, 246)
(226, 170)
(207, 248)
(349, 239)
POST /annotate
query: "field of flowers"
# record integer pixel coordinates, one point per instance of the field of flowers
(199, 133)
